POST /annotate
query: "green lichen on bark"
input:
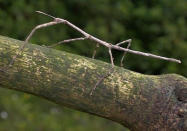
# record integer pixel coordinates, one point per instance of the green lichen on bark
(140, 102)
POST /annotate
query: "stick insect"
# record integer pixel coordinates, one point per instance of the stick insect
(92, 38)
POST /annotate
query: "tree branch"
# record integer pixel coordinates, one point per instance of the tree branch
(137, 101)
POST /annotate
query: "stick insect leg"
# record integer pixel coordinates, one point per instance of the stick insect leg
(111, 57)
(67, 41)
(95, 50)
(28, 38)
(129, 44)
(105, 76)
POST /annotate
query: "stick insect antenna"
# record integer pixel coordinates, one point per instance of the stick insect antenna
(40, 12)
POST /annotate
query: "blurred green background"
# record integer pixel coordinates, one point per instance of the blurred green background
(155, 26)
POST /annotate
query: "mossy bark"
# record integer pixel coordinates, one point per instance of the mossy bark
(139, 102)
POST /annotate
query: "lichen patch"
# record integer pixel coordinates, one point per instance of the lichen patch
(85, 63)
(81, 63)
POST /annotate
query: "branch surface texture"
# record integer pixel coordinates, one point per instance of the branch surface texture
(139, 102)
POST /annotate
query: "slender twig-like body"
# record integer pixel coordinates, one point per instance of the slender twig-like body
(88, 36)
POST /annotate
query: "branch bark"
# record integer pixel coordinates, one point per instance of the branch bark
(137, 101)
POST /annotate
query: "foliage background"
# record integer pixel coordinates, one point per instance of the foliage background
(155, 26)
